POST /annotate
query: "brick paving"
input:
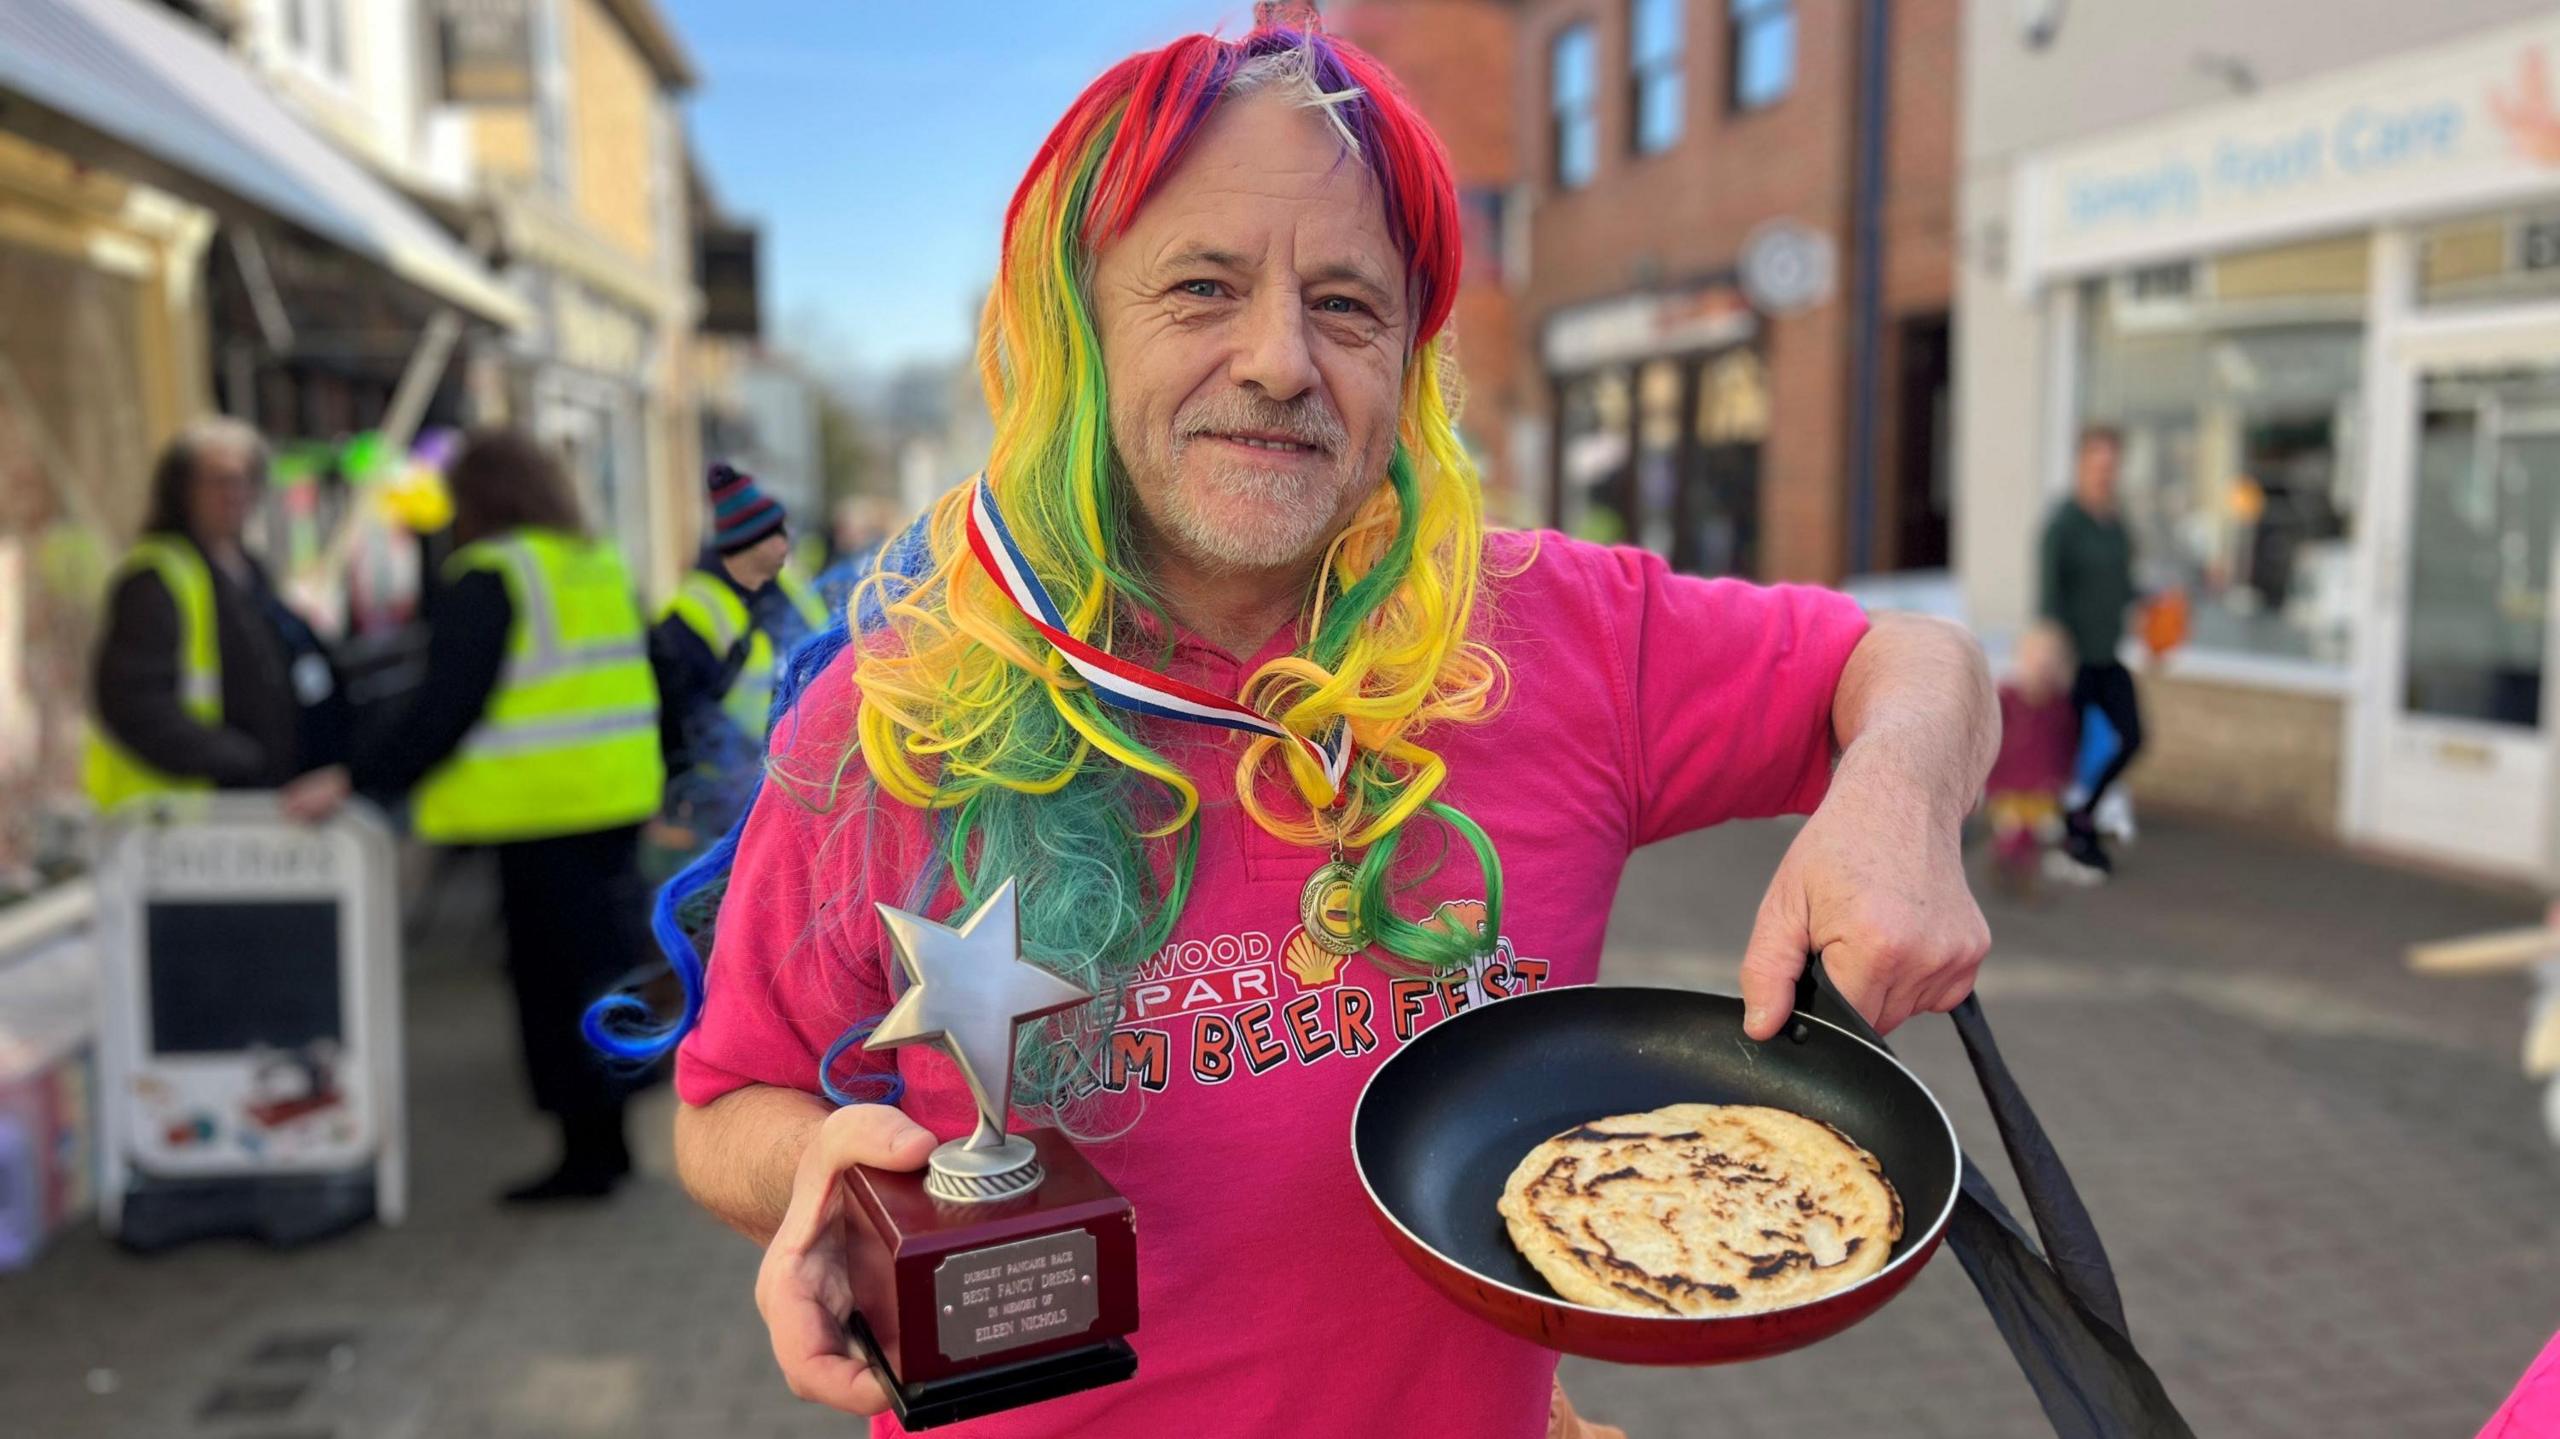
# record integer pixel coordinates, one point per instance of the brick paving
(2323, 1180)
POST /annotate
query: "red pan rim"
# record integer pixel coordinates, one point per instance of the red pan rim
(1919, 1248)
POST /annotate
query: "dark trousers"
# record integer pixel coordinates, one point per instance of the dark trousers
(2108, 688)
(573, 908)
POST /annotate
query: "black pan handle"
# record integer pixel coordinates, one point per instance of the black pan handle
(2056, 1304)
(1817, 996)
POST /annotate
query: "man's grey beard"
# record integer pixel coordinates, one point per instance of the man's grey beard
(1298, 512)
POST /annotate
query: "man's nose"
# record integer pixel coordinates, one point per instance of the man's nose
(1271, 347)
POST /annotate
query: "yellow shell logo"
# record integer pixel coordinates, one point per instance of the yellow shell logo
(1311, 964)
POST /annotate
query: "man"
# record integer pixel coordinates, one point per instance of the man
(2088, 584)
(737, 612)
(735, 616)
(1225, 455)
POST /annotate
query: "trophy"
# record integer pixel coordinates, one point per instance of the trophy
(1006, 1272)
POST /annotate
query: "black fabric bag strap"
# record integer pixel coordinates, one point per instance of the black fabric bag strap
(2057, 1306)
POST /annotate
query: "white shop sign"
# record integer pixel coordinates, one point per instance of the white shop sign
(2470, 126)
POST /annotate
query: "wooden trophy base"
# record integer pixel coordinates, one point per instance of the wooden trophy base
(936, 1402)
(968, 1309)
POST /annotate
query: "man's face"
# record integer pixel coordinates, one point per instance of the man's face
(2097, 477)
(758, 563)
(1254, 326)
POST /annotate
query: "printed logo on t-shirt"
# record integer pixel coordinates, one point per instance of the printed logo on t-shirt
(1239, 1006)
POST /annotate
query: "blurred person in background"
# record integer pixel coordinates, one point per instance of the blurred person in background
(535, 732)
(204, 678)
(2039, 731)
(2087, 583)
(868, 540)
(735, 616)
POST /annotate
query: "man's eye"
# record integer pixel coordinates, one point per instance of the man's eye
(1199, 289)
(1341, 305)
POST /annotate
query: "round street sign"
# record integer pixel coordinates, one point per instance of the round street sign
(1787, 266)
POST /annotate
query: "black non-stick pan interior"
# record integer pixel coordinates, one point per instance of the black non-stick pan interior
(1445, 1121)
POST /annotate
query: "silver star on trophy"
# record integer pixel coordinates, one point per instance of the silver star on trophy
(967, 990)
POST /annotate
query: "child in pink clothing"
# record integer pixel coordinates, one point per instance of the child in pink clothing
(2038, 733)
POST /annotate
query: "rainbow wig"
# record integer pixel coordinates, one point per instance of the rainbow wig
(967, 712)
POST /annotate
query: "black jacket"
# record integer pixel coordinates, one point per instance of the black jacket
(260, 741)
(468, 627)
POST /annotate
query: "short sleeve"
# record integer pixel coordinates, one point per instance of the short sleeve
(1731, 686)
(796, 950)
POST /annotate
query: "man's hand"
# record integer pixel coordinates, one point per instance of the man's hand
(1875, 881)
(804, 1289)
(316, 796)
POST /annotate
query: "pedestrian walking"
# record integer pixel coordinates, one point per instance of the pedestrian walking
(2087, 580)
(535, 732)
(204, 678)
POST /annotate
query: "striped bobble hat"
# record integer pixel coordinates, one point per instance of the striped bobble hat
(741, 515)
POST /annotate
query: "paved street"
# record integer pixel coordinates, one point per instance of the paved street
(2323, 1181)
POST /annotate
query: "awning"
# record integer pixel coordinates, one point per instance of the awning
(152, 84)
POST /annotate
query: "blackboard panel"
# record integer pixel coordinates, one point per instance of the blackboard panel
(227, 976)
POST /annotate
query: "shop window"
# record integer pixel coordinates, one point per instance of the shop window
(1572, 88)
(2239, 407)
(1592, 452)
(1656, 30)
(1763, 52)
(75, 458)
(2491, 259)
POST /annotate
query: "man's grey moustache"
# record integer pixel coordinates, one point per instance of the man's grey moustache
(1327, 443)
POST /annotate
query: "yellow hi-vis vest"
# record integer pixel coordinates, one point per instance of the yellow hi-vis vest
(711, 608)
(569, 741)
(114, 774)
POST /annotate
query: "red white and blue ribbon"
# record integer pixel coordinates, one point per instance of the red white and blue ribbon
(1115, 680)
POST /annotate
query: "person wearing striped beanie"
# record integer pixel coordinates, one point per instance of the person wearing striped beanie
(732, 620)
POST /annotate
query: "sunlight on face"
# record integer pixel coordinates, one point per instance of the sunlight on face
(1253, 325)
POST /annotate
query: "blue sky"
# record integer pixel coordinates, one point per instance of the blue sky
(877, 141)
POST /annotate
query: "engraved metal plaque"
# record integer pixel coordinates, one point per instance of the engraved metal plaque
(1008, 1295)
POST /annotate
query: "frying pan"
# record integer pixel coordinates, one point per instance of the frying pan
(1443, 1121)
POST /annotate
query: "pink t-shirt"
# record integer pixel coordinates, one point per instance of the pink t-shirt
(1642, 704)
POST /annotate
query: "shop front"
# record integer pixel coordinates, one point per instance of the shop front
(1661, 402)
(2326, 322)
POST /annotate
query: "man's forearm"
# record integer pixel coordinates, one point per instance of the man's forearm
(738, 1154)
(1915, 706)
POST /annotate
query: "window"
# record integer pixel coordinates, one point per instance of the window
(315, 33)
(2501, 258)
(1480, 227)
(1654, 58)
(1572, 86)
(2242, 419)
(1763, 52)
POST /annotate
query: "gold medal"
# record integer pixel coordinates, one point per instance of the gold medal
(1329, 909)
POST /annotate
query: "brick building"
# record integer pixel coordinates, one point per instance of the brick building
(1456, 58)
(1668, 401)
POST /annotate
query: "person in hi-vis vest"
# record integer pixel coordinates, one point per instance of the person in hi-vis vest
(535, 732)
(203, 678)
(735, 617)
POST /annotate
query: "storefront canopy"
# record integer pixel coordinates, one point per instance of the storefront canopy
(149, 83)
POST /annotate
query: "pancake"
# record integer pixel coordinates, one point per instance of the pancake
(1701, 1210)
